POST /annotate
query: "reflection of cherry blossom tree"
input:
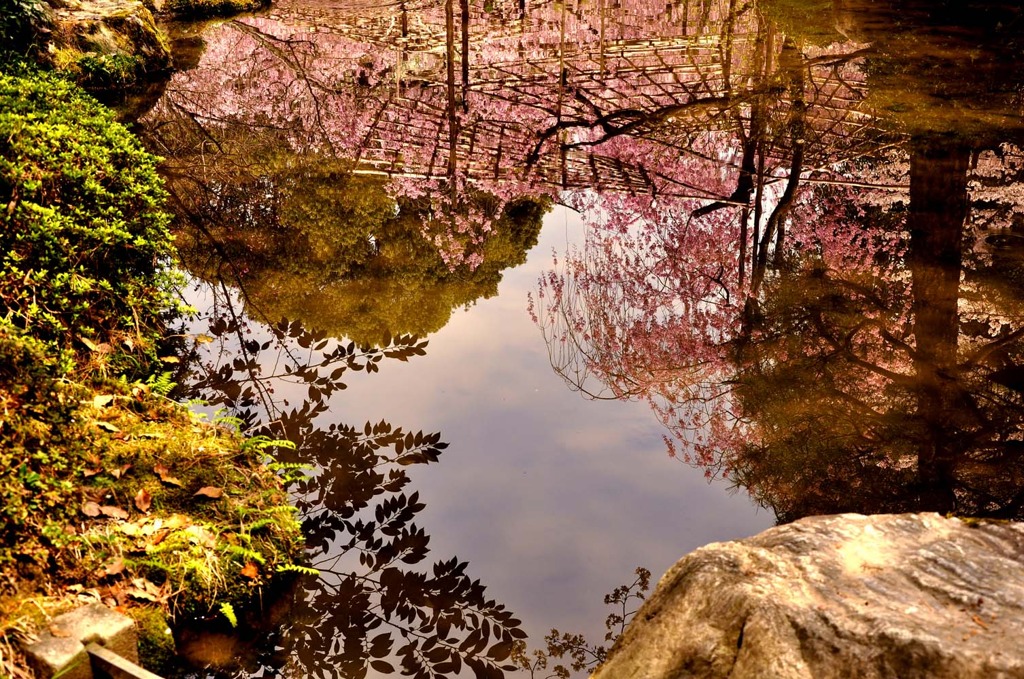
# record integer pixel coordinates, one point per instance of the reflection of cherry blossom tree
(586, 96)
(863, 376)
(668, 286)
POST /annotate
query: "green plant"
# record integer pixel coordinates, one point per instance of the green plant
(110, 70)
(581, 654)
(39, 431)
(161, 383)
(295, 568)
(228, 611)
(84, 241)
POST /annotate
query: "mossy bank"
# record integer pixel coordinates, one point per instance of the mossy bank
(109, 490)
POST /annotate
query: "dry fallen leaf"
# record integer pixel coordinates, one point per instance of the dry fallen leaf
(165, 475)
(129, 529)
(59, 632)
(212, 492)
(101, 400)
(91, 509)
(175, 521)
(90, 595)
(142, 594)
(251, 571)
(89, 473)
(119, 472)
(113, 512)
(114, 567)
(143, 500)
(198, 535)
(147, 591)
(107, 426)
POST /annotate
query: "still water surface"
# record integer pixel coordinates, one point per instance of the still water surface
(774, 245)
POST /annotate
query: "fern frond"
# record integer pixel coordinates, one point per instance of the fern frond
(246, 553)
(295, 568)
(228, 611)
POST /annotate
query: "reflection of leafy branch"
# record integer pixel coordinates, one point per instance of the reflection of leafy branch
(581, 654)
(366, 608)
(240, 378)
(360, 531)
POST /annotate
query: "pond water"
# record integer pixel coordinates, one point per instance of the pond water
(546, 292)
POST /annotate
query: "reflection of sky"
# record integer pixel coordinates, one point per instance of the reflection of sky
(553, 500)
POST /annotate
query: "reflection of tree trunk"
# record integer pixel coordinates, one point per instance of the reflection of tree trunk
(938, 210)
(792, 65)
(725, 45)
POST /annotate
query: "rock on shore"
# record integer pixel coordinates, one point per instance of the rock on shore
(904, 596)
(106, 43)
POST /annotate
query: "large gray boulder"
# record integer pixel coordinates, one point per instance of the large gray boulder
(901, 596)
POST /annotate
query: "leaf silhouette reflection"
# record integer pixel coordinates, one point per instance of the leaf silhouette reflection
(374, 605)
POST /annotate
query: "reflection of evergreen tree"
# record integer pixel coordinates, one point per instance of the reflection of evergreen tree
(309, 241)
(856, 409)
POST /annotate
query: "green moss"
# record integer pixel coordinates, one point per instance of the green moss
(106, 48)
(184, 504)
(109, 71)
(153, 459)
(37, 428)
(156, 643)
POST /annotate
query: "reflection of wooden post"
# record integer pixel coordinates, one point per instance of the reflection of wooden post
(725, 45)
(464, 6)
(561, 62)
(403, 18)
(744, 234)
(449, 25)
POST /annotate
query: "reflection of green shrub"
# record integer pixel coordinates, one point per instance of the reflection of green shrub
(806, 21)
(83, 234)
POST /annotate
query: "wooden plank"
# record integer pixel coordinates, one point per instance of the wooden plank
(109, 665)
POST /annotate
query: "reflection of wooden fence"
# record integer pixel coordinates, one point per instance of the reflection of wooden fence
(684, 79)
(648, 78)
